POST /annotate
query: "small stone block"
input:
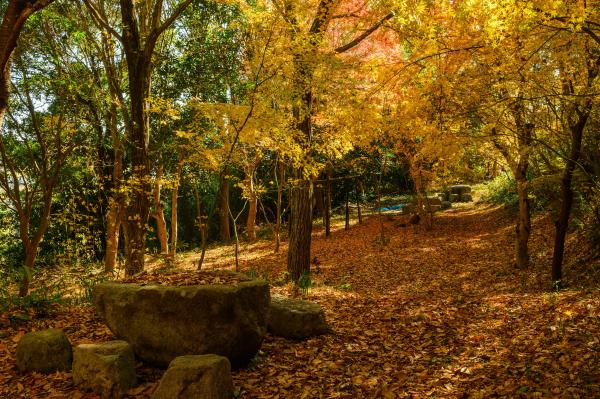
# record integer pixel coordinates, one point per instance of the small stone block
(196, 376)
(107, 368)
(460, 189)
(44, 351)
(296, 319)
(466, 198)
(454, 197)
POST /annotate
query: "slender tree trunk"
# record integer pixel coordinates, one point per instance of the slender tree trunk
(159, 213)
(252, 206)
(31, 243)
(519, 169)
(224, 228)
(174, 196)
(562, 223)
(319, 204)
(523, 228)
(347, 225)
(202, 226)
(116, 204)
(251, 221)
(30, 257)
(328, 203)
(280, 178)
(358, 200)
(113, 227)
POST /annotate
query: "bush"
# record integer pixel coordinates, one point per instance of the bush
(502, 190)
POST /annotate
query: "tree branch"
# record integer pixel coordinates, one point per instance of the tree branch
(363, 35)
(100, 21)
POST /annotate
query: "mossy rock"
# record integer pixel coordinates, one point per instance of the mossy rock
(44, 351)
(163, 322)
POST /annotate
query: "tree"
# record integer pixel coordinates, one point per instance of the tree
(142, 24)
(309, 44)
(34, 149)
(16, 13)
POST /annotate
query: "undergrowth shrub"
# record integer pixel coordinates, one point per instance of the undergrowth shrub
(544, 191)
(502, 190)
(39, 301)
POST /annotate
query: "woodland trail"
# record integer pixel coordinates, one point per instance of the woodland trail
(439, 313)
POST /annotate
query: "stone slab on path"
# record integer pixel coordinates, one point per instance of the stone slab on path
(195, 377)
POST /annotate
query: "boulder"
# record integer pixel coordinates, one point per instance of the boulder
(454, 197)
(460, 189)
(296, 319)
(466, 197)
(162, 322)
(196, 376)
(44, 351)
(446, 204)
(432, 201)
(107, 368)
(435, 208)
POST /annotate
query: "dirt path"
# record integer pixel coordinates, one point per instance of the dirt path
(439, 313)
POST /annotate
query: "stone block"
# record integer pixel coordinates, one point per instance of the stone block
(296, 319)
(195, 377)
(44, 351)
(107, 368)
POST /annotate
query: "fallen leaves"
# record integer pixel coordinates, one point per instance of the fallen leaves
(438, 313)
(185, 278)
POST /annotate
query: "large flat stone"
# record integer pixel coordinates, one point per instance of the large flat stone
(163, 322)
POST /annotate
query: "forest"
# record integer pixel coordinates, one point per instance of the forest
(299, 199)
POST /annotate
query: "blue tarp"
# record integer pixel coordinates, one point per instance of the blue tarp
(391, 208)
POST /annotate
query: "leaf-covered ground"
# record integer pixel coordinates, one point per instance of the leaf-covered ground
(439, 313)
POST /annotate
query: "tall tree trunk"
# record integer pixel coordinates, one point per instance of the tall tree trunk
(174, 196)
(116, 204)
(224, 228)
(519, 169)
(159, 213)
(562, 223)
(301, 228)
(523, 228)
